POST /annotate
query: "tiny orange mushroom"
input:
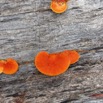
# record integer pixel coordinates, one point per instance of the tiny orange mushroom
(58, 6)
(10, 67)
(73, 56)
(52, 64)
(2, 62)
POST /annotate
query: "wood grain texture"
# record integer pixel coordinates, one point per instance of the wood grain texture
(29, 26)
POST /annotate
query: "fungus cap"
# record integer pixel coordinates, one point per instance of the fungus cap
(73, 56)
(58, 6)
(2, 62)
(52, 64)
(10, 67)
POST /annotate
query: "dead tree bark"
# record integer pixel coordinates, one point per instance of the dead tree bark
(29, 26)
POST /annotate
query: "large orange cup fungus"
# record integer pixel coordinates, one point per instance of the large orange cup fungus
(58, 6)
(52, 64)
(55, 63)
(8, 66)
(73, 56)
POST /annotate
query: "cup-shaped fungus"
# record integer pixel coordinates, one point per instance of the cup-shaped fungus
(10, 67)
(2, 62)
(73, 56)
(52, 64)
(58, 6)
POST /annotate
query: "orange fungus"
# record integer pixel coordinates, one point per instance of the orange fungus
(9, 66)
(52, 64)
(58, 6)
(73, 56)
(2, 62)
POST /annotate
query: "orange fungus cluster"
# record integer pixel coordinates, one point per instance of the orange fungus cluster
(55, 63)
(51, 64)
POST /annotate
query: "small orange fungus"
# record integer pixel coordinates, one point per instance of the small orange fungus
(2, 62)
(58, 6)
(8, 66)
(73, 56)
(52, 64)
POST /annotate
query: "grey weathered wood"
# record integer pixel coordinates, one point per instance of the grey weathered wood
(28, 26)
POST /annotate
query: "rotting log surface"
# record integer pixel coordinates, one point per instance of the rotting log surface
(29, 26)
